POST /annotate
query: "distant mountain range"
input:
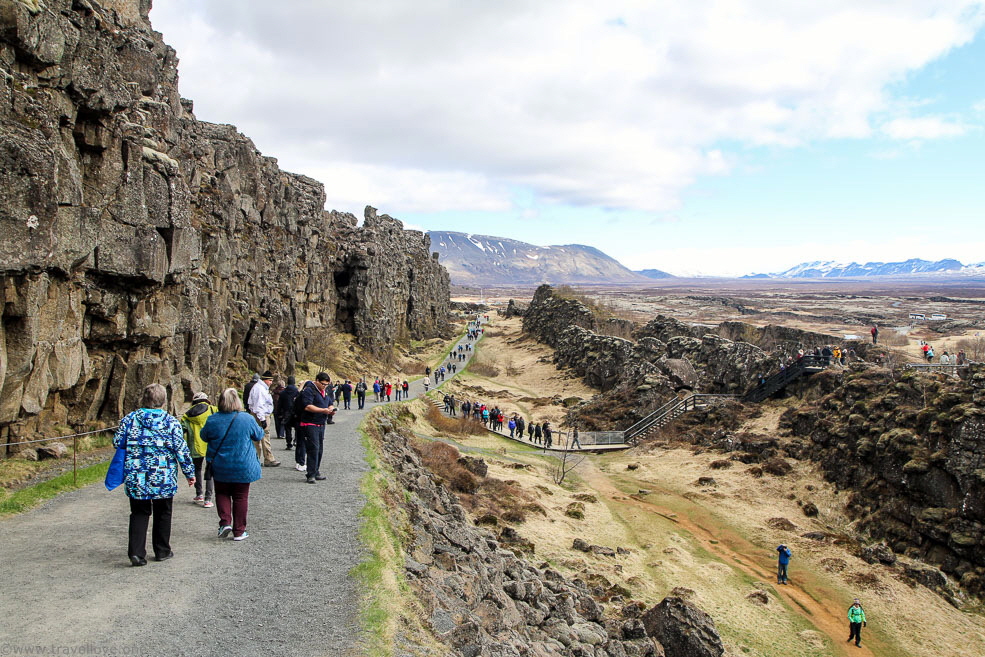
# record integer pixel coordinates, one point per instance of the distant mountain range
(486, 260)
(913, 266)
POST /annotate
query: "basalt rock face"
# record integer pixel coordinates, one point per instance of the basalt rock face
(549, 315)
(479, 597)
(138, 244)
(912, 451)
(667, 357)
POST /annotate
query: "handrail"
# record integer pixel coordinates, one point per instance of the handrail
(672, 408)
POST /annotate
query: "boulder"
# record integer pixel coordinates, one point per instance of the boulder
(53, 450)
(683, 629)
(810, 510)
(879, 553)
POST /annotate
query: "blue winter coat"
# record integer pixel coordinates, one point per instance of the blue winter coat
(234, 458)
(155, 448)
(784, 555)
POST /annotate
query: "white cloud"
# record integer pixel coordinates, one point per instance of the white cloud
(437, 104)
(926, 127)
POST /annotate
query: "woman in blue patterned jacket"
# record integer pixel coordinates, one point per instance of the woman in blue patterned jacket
(155, 448)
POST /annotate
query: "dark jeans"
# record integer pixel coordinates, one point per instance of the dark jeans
(199, 462)
(781, 572)
(300, 450)
(140, 513)
(279, 427)
(855, 632)
(314, 439)
(361, 398)
(290, 433)
(232, 502)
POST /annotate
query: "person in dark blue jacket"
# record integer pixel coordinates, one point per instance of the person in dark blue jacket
(230, 435)
(317, 402)
(783, 560)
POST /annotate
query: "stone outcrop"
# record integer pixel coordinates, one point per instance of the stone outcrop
(548, 315)
(480, 598)
(912, 453)
(514, 309)
(139, 244)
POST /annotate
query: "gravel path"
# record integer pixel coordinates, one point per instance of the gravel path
(285, 590)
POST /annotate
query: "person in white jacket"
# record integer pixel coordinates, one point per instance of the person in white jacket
(261, 405)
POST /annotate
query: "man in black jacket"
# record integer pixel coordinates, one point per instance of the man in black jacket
(284, 410)
(361, 392)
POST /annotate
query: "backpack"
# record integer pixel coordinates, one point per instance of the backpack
(297, 408)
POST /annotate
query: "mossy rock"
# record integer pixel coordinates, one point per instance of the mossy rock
(568, 402)
(586, 497)
(916, 466)
(575, 510)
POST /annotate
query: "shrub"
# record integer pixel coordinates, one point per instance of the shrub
(461, 426)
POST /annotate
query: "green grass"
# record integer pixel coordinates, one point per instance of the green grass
(32, 496)
(386, 594)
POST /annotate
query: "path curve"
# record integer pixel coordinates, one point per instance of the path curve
(67, 581)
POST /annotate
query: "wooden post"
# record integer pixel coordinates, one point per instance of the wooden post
(75, 460)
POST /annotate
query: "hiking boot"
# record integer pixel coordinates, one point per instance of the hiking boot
(224, 530)
(241, 537)
(310, 480)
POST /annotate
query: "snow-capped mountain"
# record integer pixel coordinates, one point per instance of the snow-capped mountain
(832, 269)
(486, 260)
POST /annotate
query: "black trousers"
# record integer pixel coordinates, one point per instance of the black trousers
(361, 396)
(855, 632)
(314, 443)
(140, 513)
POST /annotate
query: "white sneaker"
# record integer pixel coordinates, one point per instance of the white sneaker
(300, 468)
(241, 537)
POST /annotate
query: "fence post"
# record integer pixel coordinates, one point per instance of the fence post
(75, 460)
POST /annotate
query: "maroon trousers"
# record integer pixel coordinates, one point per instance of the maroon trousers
(232, 501)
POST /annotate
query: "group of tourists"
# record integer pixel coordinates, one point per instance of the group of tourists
(384, 391)
(946, 358)
(856, 615)
(219, 448)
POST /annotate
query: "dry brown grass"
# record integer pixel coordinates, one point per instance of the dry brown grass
(453, 425)
(485, 497)
(893, 339)
(484, 365)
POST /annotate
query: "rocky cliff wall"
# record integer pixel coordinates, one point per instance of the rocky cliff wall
(139, 244)
(912, 451)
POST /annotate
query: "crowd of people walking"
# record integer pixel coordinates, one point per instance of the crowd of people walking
(221, 448)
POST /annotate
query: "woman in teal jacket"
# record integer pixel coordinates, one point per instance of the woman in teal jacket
(230, 435)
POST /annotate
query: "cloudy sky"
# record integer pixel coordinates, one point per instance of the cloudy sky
(714, 137)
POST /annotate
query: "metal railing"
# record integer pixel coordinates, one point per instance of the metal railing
(670, 411)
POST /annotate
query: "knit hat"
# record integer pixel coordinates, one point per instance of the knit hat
(200, 396)
(267, 375)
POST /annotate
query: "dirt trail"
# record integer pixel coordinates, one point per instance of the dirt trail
(743, 555)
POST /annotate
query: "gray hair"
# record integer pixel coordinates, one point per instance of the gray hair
(154, 396)
(229, 401)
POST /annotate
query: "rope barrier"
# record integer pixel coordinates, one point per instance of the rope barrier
(72, 435)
